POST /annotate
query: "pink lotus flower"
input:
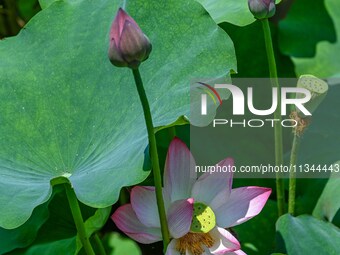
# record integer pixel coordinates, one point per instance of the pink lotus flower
(129, 46)
(198, 210)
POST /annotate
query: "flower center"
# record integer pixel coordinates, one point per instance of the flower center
(203, 219)
(194, 243)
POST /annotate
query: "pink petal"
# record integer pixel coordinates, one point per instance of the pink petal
(179, 173)
(167, 199)
(171, 249)
(225, 241)
(114, 54)
(214, 189)
(180, 217)
(126, 220)
(123, 17)
(118, 24)
(239, 252)
(243, 204)
(144, 203)
(132, 44)
(115, 30)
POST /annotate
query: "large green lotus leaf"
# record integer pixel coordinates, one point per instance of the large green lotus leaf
(326, 61)
(329, 203)
(232, 11)
(306, 24)
(308, 235)
(66, 111)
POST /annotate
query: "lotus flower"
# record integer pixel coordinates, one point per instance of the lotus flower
(129, 46)
(262, 9)
(199, 211)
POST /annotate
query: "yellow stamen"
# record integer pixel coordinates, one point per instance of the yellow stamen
(194, 243)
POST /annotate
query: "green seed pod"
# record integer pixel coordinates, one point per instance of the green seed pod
(318, 89)
(203, 219)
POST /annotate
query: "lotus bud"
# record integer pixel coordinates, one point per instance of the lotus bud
(129, 46)
(262, 9)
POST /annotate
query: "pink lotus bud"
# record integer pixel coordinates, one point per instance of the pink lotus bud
(262, 9)
(129, 46)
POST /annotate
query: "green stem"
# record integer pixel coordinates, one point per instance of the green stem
(277, 115)
(292, 175)
(154, 157)
(78, 219)
(101, 249)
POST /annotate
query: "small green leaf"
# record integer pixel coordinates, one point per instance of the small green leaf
(94, 223)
